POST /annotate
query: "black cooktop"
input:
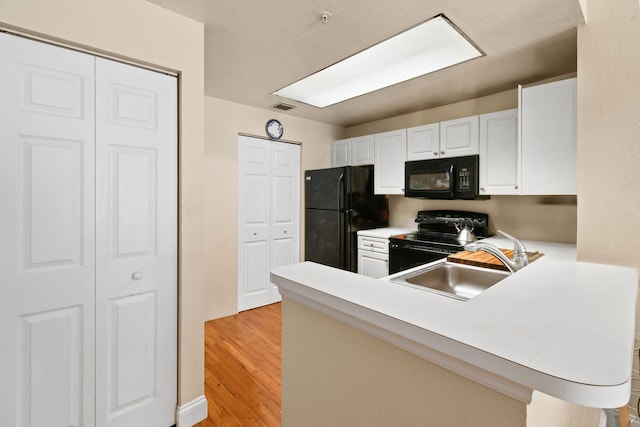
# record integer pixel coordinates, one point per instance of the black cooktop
(438, 227)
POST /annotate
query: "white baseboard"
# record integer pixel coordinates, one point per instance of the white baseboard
(192, 413)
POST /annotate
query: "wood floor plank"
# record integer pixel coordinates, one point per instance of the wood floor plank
(243, 368)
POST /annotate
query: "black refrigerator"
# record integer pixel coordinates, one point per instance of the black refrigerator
(338, 203)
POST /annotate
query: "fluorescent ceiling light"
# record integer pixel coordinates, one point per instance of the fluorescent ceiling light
(423, 49)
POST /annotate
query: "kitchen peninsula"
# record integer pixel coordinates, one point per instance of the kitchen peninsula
(364, 351)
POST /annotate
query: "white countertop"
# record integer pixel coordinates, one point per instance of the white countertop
(563, 327)
(386, 232)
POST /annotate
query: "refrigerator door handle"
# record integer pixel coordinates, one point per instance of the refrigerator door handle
(341, 192)
(342, 241)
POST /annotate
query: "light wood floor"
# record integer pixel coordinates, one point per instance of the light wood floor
(243, 368)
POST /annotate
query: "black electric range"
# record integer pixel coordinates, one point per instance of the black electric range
(435, 238)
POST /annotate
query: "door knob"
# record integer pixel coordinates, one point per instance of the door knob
(136, 276)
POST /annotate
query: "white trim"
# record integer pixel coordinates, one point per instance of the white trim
(191, 413)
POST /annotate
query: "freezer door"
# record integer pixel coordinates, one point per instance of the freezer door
(325, 238)
(325, 188)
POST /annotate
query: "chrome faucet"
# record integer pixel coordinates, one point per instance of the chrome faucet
(520, 258)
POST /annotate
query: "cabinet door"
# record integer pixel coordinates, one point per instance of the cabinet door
(459, 137)
(390, 155)
(548, 138)
(341, 153)
(362, 149)
(499, 152)
(423, 142)
(373, 264)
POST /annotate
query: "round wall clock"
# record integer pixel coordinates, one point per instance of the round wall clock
(274, 129)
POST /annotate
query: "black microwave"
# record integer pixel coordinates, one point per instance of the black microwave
(451, 178)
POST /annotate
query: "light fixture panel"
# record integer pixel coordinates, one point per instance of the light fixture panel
(423, 49)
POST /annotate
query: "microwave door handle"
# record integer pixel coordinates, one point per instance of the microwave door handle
(454, 179)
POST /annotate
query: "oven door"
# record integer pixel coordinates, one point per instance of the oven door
(406, 255)
(429, 179)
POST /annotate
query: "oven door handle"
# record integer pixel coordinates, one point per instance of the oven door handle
(425, 249)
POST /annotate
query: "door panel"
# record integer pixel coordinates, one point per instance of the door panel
(136, 259)
(47, 228)
(285, 207)
(253, 226)
(324, 243)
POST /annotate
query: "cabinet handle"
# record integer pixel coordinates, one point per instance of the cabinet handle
(515, 186)
(285, 231)
(435, 153)
(136, 276)
(481, 188)
(442, 152)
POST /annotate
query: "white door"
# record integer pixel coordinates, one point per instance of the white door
(46, 235)
(268, 216)
(499, 152)
(88, 240)
(459, 137)
(390, 154)
(285, 208)
(136, 255)
(423, 142)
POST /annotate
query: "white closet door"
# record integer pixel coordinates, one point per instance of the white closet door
(136, 259)
(268, 216)
(254, 168)
(285, 208)
(46, 235)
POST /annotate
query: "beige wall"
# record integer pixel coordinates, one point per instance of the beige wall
(140, 31)
(528, 217)
(609, 137)
(336, 375)
(224, 120)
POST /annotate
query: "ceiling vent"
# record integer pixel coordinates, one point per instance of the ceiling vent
(284, 107)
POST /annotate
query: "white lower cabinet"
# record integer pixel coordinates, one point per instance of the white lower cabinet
(373, 256)
(373, 250)
(499, 172)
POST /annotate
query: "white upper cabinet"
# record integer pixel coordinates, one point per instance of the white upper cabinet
(548, 137)
(390, 155)
(499, 173)
(356, 151)
(362, 149)
(341, 153)
(423, 142)
(459, 137)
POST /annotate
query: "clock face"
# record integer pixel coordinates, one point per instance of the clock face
(274, 129)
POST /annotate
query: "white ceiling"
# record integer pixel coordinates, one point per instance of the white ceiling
(253, 48)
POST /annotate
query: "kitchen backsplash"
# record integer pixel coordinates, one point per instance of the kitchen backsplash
(546, 218)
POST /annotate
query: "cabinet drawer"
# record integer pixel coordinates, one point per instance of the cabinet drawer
(373, 244)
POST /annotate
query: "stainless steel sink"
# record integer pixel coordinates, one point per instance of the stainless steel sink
(454, 280)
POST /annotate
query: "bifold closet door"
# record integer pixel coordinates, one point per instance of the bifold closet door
(46, 235)
(88, 240)
(136, 250)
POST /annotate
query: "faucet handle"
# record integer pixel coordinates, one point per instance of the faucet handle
(518, 246)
